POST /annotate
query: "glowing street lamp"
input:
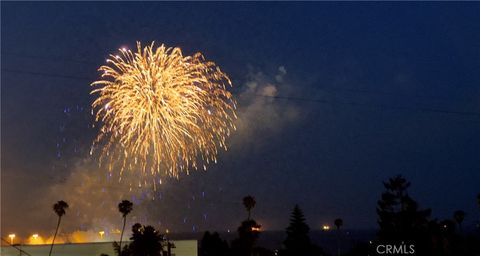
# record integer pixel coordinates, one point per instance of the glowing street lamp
(326, 227)
(101, 234)
(12, 236)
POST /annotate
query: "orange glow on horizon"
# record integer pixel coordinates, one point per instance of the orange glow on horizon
(35, 239)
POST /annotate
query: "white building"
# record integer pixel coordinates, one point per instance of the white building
(182, 248)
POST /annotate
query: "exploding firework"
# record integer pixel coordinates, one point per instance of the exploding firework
(160, 111)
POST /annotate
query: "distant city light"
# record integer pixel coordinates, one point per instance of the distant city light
(325, 227)
(257, 229)
(101, 233)
(35, 236)
(12, 236)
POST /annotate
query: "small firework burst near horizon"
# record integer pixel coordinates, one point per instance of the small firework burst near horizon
(161, 112)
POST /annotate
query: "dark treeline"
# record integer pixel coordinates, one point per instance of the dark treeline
(405, 228)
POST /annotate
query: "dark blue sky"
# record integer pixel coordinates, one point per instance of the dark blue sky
(374, 90)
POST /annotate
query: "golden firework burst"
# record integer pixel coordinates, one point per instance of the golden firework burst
(161, 111)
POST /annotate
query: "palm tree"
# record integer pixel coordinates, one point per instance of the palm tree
(459, 216)
(249, 203)
(338, 223)
(124, 207)
(478, 199)
(59, 209)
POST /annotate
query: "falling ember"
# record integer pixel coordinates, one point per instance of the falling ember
(161, 112)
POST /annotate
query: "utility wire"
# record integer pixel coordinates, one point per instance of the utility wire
(298, 99)
(14, 246)
(329, 90)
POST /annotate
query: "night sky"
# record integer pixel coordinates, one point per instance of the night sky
(355, 93)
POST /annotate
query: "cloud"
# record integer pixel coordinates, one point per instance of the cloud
(260, 109)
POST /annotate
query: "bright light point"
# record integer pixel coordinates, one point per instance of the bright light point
(325, 227)
(35, 236)
(101, 233)
(256, 229)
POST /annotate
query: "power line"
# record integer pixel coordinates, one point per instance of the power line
(46, 74)
(52, 58)
(14, 246)
(298, 99)
(421, 109)
(329, 90)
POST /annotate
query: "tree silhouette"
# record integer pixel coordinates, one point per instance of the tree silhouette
(298, 242)
(124, 207)
(459, 216)
(248, 233)
(249, 203)
(399, 216)
(213, 245)
(59, 208)
(478, 199)
(338, 223)
(145, 241)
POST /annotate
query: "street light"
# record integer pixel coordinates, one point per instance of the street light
(12, 236)
(35, 236)
(101, 234)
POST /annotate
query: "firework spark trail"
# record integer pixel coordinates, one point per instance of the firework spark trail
(161, 111)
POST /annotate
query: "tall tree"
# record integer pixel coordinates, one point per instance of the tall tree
(59, 208)
(399, 216)
(248, 232)
(124, 207)
(249, 203)
(145, 241)
(478, 199)
(338, 223)
(459, 216)
(298, 241)
(213, 245)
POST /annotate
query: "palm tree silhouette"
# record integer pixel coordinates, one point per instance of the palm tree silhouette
(249, 203)
(338, 223)
(59, 209)
(124, 207)
(478, 199)
(459, 216)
